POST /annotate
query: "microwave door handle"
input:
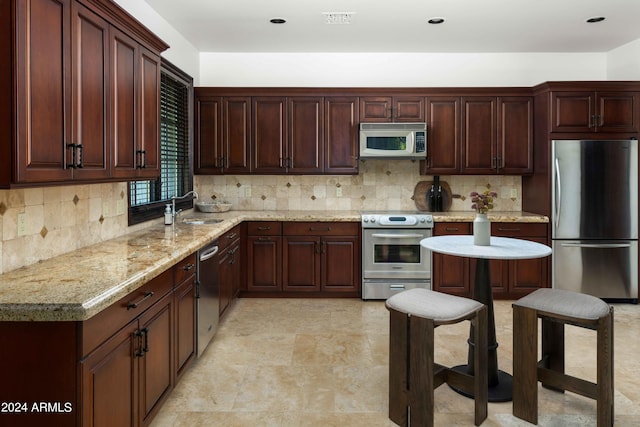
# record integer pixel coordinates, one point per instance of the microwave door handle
(398, 236)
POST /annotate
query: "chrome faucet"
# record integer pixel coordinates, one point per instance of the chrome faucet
(173, 203)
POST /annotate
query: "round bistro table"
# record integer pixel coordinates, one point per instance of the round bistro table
(500, 382)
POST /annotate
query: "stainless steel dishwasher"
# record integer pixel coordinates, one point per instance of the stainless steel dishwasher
(207, 294)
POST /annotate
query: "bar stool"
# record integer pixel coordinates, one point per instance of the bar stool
(556, 308)
(413, 373)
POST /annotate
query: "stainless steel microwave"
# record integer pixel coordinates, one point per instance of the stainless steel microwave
(393, 140)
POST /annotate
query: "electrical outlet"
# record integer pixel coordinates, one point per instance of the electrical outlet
(105, 209)
(338, 191)
(514, 193)
(247, 191)
(22, 224)
(120, 207)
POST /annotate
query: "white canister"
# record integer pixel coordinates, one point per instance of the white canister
(481, 230)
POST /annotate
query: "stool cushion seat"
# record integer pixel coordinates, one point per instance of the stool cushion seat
(565, 303)
(441, 308)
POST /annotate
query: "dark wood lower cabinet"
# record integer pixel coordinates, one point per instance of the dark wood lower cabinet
(114, 369)
(510, 279)
(303, 257)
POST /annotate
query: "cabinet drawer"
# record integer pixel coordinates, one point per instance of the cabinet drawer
(229, 237)
(264, 228)
(321, 228)
(518, 229)
(104, 324)
(444, 228)
(184, 269)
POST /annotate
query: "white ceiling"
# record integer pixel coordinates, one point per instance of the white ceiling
(401, 25)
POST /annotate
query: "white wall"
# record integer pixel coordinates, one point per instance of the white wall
(623, 63)
(397, 69)
(181, 52)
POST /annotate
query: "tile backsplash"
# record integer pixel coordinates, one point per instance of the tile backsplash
(380, 185)
(40, 223)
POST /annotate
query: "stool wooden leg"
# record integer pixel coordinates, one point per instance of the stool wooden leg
(525, 369)
(605, 371)
(421, 337)
(481, 383)
(398, 363)
(553, 348)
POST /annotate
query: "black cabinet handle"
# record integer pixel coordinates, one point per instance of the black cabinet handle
(131, 305)
(508, 229)
(263, 228)
(188, 267)
(319, 228)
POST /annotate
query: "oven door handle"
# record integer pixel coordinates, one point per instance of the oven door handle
(398, 236)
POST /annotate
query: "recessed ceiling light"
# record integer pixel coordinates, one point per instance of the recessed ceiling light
(338, 18)
(277, 21)
(436, 21)
(595, 19)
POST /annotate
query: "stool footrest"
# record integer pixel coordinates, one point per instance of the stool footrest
(557, 380)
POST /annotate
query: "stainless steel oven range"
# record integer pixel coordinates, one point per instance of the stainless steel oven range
(392, 258)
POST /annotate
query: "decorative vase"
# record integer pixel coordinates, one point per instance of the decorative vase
(481, 230)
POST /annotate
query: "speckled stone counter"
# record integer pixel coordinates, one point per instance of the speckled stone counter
(494, 216)
(77, 285)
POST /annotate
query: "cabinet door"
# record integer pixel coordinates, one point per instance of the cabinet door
(479, 135)
(91, 117)
(443, 140)
(226, 274)
(43, 90)
(340, 264)
(156, 364)
(124, 103)
(301, 263)
(305, 153)
(208, 157)
(269, 135)
(375, 109)
(515, 135)
(110, 381)
(408, 109)
(451, 273)
(185, 306)
(236, 134)
(149, 119)
(341, 135)
(618, 111)
(572, 111)
(264, 263)
(527, 275)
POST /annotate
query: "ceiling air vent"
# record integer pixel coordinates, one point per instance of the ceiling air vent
(338, 18)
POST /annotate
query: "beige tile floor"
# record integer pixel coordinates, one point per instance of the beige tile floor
(324, 362)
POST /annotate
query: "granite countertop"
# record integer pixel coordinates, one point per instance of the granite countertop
(77, 285)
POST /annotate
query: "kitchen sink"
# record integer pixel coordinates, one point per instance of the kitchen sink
(199, 221)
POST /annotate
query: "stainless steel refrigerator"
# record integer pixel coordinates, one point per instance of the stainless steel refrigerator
(595, 217)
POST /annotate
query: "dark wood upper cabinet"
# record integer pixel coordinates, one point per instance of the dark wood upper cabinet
(392, 109)
(594, 111)
(305, 153)
(515, 135)
(341, 135)
(479, 135)
(70, 82)
(268, 135)
(443, 135)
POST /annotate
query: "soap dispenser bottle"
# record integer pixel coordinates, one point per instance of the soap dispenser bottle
(168, 218)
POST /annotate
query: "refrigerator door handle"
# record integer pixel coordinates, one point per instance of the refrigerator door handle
(558, 193)
(597, 245)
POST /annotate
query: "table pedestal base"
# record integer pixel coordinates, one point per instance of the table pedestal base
(502, 391)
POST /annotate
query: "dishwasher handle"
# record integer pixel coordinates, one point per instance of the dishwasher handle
(209, 253)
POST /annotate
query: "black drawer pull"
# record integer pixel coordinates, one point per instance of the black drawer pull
(188, 267)
(508, 229)
(232, 236)
(261, 228)
(452, 229)
(131, 305)
(319, 228)
(264, 239)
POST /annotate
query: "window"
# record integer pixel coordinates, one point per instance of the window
(147, 199)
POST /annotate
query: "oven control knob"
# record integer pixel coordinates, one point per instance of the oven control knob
(365, 219)
(422, 220)
(373, 219)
